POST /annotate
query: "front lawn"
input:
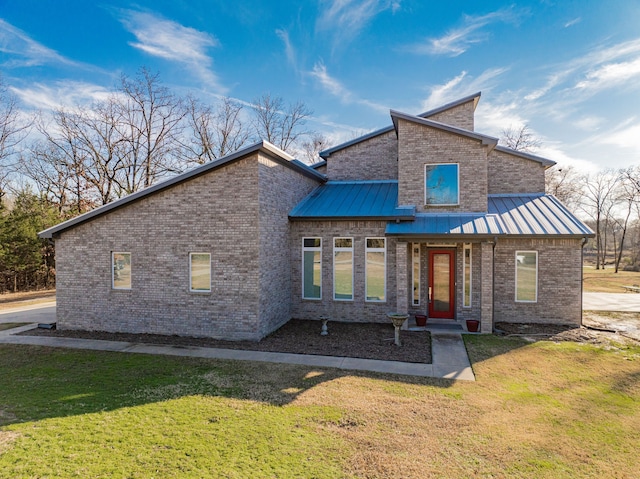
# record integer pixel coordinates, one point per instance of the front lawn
(607, 280)
(536, 410)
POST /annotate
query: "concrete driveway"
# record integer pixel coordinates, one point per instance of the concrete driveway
(37, 313)
(629, 302)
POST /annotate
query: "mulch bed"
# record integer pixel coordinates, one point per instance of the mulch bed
(361, 340)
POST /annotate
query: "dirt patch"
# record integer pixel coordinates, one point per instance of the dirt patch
(365, 340)
(554, 332)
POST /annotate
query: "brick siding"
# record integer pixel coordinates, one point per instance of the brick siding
(513, 174)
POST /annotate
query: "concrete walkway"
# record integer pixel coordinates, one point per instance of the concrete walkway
(450, 359)
(629, 302)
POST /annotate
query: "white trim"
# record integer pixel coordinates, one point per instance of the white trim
(344, 250)
(314, 249)
(416, 291)
(465, 247)
(191, 276)
(113, 282)
(366, 275)
(424, 182)
(517, 253)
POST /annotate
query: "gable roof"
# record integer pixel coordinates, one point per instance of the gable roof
(344, 200)
(265, 147)
(520, 215)
(474, 97)
(489, 141)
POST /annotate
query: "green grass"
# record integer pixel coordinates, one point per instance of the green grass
(540, 410)
(607, 281)
(5, 326)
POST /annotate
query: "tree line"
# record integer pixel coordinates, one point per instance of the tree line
(57, 165)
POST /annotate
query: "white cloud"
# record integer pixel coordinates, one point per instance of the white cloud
(171, 41)
(288, 47)
(60, 94)
(458, 40)
(572, 22)
(589, 123)
(611, 75)
(335, 88)
(24, 51)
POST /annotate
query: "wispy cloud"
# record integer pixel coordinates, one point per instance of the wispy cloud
(171, 41)
(611, 75)
(60, 94)
(289, 50)
(335, 88)
(572, 22)
(348, 17)
(23, 51)
(458, 40)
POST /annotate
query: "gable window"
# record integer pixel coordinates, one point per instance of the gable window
(200, 272)
(120, 270)
(527, 276)
(312, 268)
(343, 269)
(416, 274)
(376, 269)
(466, 276)
(441, 184)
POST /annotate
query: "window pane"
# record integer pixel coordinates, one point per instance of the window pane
(312, 242)
(441, 184)
(467, 277)
(375, 242)
(311, 275)
(343, 243)
(343, 275)
(526, 276)
(121, 270)
(375, 276)
(200, 272)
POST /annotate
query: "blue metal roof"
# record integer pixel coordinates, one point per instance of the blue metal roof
(513, 215)
(353, 200)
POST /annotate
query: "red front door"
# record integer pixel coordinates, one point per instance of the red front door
(441, 283)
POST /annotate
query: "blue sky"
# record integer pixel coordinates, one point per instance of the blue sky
(569, 69)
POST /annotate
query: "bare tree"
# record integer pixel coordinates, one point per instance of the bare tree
(520, 139)
(279, 124)
(312, 147)
(13, 129)
(218, 132)
(563, 183)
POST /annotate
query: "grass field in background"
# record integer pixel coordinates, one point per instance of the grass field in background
(607, 281)
(537, 410)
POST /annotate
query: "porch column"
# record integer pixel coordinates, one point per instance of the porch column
(486, 287)
(402, 278)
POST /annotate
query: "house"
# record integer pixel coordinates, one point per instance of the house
(423, 216)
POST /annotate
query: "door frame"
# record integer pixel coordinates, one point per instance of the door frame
(451, 313)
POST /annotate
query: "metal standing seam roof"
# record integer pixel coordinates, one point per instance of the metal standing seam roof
(508, 215)
(353, 200)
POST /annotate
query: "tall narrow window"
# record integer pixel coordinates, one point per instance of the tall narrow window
(527, 276)
(312, 268)
(200, 272)
(376, 269)
(441, 184)
(343, 269)
(466, 276)
(416, 274)
(120, 270)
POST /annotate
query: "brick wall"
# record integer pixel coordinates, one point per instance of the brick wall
(357, 310)
(513, 174)
(460, 116)
(420, 145)
(559, 281)
(372, 159)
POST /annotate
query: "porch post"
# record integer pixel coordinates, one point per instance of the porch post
(486, 288)
(402, 281)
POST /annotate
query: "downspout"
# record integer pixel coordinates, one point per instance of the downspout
(493, 285)
(584, 242)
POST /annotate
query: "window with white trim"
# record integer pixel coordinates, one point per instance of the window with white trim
(527, 276)
(312, 268)
(415, 271)
(343, 269)
(467, 269)
(441, 184)
(120, 270)
(376, 269)
(200, 272)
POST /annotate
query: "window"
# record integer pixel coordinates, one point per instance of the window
(466, 276)
(441, 184)
(120, 270)
(376, 269)
(416, 274)
(343, 269)
(200, 272)
(527, 276)
(312, 268)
